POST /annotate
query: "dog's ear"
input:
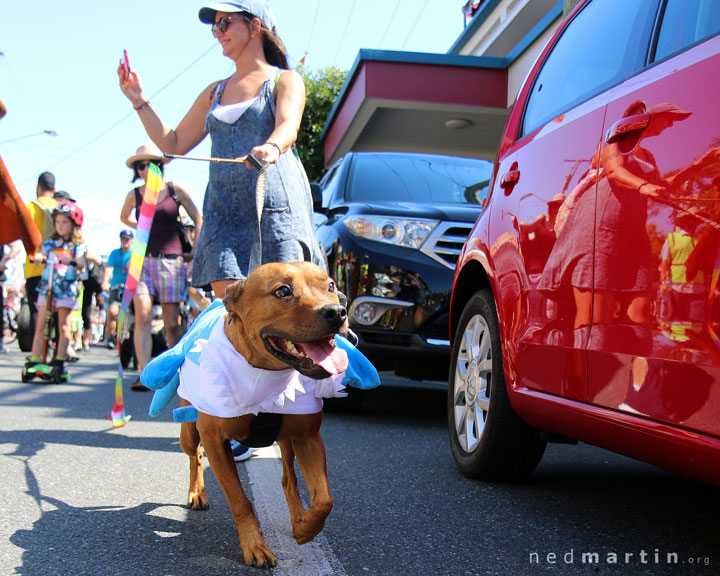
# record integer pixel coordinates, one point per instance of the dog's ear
(233, 293)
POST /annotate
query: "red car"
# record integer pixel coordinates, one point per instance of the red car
(585, 303)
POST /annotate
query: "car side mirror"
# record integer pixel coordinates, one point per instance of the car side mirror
(316, 192)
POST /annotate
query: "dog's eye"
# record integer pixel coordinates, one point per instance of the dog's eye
(283, 291)
(331, 286)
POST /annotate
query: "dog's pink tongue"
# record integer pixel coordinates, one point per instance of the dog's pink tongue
(332, 359)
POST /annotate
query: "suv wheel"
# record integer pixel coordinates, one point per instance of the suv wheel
(489, 441)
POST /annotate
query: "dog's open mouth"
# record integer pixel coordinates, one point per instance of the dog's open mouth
(323, 353)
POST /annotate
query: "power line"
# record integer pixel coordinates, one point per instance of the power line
(342, 38)
(419, 15)
(312, 27)
(397, 6)
(121, 120)
(23, 98)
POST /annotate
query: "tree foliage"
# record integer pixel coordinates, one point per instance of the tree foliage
(322, 88)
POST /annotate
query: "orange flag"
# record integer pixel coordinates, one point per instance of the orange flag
(15, 219)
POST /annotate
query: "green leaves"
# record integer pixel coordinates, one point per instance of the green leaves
(322, 88)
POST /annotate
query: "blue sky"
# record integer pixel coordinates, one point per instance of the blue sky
(57, 72)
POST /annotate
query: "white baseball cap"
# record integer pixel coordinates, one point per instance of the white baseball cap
(258, 8)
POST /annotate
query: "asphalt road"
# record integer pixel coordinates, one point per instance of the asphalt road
(78, 497)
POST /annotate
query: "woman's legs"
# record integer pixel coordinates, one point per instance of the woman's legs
(111, 321)
(598, 306)
(171, 312)
(220, 286)
(639, 309)
(142, 333)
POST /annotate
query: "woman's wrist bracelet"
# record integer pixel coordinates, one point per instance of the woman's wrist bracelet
(276, 146)
(143, 105)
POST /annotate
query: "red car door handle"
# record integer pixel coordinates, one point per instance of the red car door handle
(627, 125)
(510, 178)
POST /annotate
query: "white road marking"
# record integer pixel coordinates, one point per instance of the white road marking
(315, 558)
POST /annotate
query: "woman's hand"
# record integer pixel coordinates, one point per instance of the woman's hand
(131, 87)
(651, 190)
(38, 258)
(267, 154)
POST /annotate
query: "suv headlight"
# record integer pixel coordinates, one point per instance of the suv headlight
(397, 231)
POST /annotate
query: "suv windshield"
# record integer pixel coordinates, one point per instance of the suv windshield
(422, 178)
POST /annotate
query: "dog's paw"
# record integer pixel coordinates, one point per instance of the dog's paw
(261, 557)
(304, 531)
(198, 500)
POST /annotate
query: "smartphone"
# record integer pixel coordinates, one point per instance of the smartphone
(125, 65)
(259, 166)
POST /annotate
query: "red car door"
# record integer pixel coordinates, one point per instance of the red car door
(543, 210)
(654, 344)
(536, 310)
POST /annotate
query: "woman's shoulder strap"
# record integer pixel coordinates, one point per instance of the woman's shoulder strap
(172, 193)
(217, 87)
(275, 81)
(217, 90)
(215, 95)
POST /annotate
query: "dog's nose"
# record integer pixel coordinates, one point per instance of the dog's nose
(334, 313)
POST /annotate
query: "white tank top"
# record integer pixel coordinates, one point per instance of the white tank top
(229, 113)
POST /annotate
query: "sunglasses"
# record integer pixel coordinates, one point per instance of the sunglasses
(140, 166)
(221, 25)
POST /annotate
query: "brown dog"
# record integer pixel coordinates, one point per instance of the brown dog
(279, 317)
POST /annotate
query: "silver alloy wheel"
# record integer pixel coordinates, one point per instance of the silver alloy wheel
(473, 374)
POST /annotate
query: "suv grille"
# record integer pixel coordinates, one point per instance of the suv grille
(446, 241)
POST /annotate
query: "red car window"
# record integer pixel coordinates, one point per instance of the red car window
(614, 36)
(685, 23)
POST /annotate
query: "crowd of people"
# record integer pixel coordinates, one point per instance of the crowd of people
(72, 293)
(253, 116)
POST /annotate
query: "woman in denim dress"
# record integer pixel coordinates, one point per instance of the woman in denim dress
(255, 111)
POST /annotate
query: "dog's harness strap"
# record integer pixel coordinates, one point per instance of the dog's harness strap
(263, 430)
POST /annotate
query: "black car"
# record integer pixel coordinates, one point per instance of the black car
(392, 226)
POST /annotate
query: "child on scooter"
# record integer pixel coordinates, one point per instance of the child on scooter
(65, 253)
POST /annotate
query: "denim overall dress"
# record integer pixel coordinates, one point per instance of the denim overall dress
(229, 235)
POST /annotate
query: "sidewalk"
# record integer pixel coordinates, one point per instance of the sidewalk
(78, 497)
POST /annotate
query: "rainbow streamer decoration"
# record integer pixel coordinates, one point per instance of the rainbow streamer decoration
(137, 257)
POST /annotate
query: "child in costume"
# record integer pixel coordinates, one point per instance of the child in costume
(64, 253)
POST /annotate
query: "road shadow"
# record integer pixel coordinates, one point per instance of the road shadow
(152, 538)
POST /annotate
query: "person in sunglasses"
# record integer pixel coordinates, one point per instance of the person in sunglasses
(255, 112)
(163, 272)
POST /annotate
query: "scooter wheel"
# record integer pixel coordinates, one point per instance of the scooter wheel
(25, 376)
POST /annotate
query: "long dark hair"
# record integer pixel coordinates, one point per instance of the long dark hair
(273, 46)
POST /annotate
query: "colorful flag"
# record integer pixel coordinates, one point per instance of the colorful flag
(142, 234)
